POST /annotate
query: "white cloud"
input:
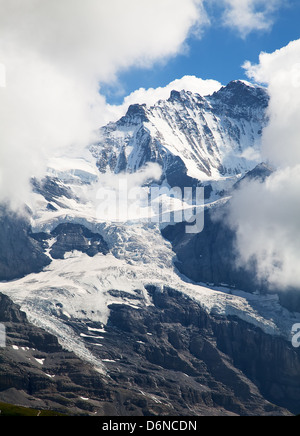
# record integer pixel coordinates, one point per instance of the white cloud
(250, 15)
(267, 215)
(152, 96)
(281, 71)
(56, 53)
(100, 37)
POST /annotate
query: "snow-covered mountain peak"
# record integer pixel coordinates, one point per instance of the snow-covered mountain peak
(199, 138)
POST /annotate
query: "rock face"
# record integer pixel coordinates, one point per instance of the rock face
(261, 172)
(19, 253)
(51, 188)
(196, 363)
(168, 359)
(73, 237)
(70, 237)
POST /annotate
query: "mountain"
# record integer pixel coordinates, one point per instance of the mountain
(131, 317)
(190, 136)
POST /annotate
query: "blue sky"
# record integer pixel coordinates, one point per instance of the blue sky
(218, 54)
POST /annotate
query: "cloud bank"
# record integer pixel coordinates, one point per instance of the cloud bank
(266, 215)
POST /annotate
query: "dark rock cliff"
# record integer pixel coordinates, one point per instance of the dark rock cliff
(19, 253)
(171, 358)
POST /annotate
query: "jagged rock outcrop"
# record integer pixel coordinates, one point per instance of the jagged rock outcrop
(261, 172)
(51, 188)
(71, 237)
